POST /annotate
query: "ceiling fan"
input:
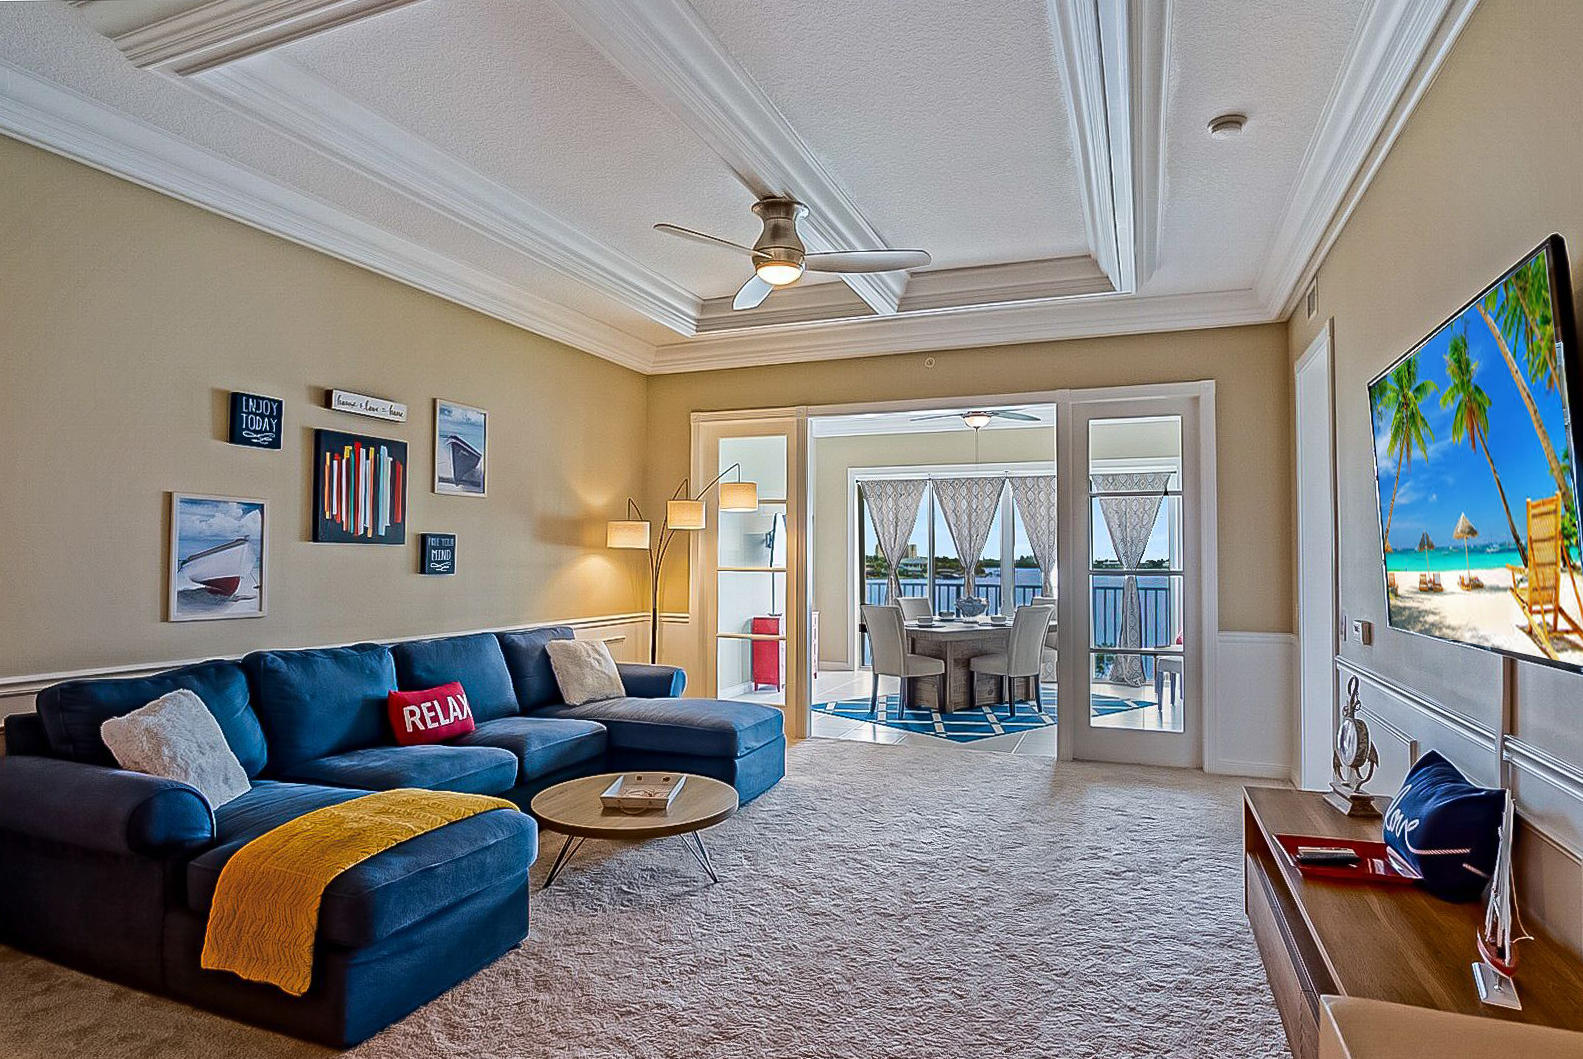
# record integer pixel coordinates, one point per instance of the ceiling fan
(980, 419)
(780, 259)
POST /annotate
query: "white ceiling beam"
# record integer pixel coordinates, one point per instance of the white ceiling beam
(40, 112)
(1150, 22)
(1394, 55)
(223, 31)
(297, 103)
(1095, 59)
(665, 49)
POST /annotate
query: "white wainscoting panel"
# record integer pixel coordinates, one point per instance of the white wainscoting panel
(1251, 727)
(627, 635)
(1548, 861)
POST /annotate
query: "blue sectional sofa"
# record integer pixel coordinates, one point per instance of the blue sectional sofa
(112, 871)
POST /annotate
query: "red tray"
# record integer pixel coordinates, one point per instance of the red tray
(1374, 863)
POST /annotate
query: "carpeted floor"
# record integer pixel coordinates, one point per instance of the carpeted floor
(881, 902)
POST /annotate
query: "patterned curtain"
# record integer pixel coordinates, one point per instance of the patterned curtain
(968, 505)
(1130, 520)
(893, 508)
(1035, 499)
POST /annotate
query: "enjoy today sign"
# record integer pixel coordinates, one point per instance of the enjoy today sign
(255, 420)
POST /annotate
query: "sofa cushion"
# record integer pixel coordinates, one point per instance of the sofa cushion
(542, 745)
(529, 664)
(467, 769)
(476, 662)
(706, 727)
(73, 712)
(316, 703)
(390, 890)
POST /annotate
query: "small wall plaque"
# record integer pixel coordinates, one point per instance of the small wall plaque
(255, 420)
(364, 405)
(438, 553)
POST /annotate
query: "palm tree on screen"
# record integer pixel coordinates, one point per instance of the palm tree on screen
(1516, 327)
(1470, 418)
(1403, 399)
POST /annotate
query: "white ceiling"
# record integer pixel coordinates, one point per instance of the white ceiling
(512, 155)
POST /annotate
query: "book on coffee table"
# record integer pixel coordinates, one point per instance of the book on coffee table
(637, 792)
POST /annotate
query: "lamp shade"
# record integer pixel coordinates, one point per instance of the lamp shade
(626, 533)
(685, 514)
(739, 496)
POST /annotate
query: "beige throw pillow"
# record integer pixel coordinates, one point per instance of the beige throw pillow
(175, 737)
(585, 671)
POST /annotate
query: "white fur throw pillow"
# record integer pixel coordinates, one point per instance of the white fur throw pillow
(584, 670)
(175, 737)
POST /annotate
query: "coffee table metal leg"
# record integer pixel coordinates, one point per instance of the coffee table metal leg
(568, 847)
(700, 854)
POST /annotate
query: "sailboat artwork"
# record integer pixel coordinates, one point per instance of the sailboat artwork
(461, 458)
(217, 558)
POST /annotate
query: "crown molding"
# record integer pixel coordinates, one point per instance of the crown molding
(1050, 319)
(1094, 61)
(47, 115)
(1398, 48)
(289, 99)
(223, 31)
(668, 52)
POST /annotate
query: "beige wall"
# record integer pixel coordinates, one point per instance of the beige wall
(833, 516)
(1488, 165)
(1249, 365)
(126, 319)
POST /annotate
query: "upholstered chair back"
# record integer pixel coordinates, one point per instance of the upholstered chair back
(886, 639)
(912, 607)
(1028, 626)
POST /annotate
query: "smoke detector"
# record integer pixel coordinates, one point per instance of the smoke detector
(1226, 126)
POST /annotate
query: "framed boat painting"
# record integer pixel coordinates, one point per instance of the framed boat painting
(218, 565)
(461, 449)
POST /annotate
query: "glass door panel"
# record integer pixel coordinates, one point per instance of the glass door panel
(751, 551)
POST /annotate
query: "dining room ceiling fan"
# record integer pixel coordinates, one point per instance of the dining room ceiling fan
(780, 259)
(978, 419)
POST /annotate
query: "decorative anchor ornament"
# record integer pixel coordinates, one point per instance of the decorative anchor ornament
(1355, 760)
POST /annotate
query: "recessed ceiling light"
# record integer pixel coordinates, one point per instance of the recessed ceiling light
(1226, 126)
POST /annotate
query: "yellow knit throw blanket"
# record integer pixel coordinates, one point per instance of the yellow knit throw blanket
(265, 910)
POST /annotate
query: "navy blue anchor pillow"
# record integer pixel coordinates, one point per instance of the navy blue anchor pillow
(1445, 828)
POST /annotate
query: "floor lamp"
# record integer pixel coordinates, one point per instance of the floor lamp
(683, 513)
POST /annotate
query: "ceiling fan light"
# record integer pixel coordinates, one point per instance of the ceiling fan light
(977, 420)
(779, 273)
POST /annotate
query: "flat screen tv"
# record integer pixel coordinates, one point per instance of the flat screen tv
(1474, 458)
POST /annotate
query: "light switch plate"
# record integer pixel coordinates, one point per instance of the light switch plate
(1362, 631)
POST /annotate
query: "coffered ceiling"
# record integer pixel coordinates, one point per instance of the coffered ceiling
(1053, 156)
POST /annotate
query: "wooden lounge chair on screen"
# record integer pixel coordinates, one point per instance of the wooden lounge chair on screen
(1537, 586)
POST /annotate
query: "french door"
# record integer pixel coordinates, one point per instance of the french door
(752, 566)
(1132, 628)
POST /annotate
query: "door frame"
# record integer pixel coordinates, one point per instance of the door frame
(1197, 745)
(1202, 391)
(1318, 625)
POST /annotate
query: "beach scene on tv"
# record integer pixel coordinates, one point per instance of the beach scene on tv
(1473, 450)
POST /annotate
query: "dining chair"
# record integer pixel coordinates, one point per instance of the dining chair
(1024, 653)
(913, 607)
(888, 644)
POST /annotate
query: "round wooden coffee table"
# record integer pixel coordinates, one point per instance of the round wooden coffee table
(574, 810)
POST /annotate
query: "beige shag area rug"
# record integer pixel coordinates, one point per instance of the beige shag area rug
(881, 902)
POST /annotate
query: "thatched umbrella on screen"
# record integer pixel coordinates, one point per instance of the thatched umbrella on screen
(1427, 581)
(1464, 533)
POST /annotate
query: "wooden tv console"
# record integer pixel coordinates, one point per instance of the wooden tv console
(1393, 943)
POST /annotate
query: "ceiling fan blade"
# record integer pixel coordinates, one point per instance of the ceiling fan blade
(1016, 415)
(942, 415)
(701, 237)
(752, 294)
(866, 260)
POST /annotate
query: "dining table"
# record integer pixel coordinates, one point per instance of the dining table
(957, 642)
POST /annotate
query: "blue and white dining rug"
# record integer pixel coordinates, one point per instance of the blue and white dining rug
(964, 726)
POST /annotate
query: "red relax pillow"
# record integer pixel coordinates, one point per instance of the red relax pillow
(431, 716)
